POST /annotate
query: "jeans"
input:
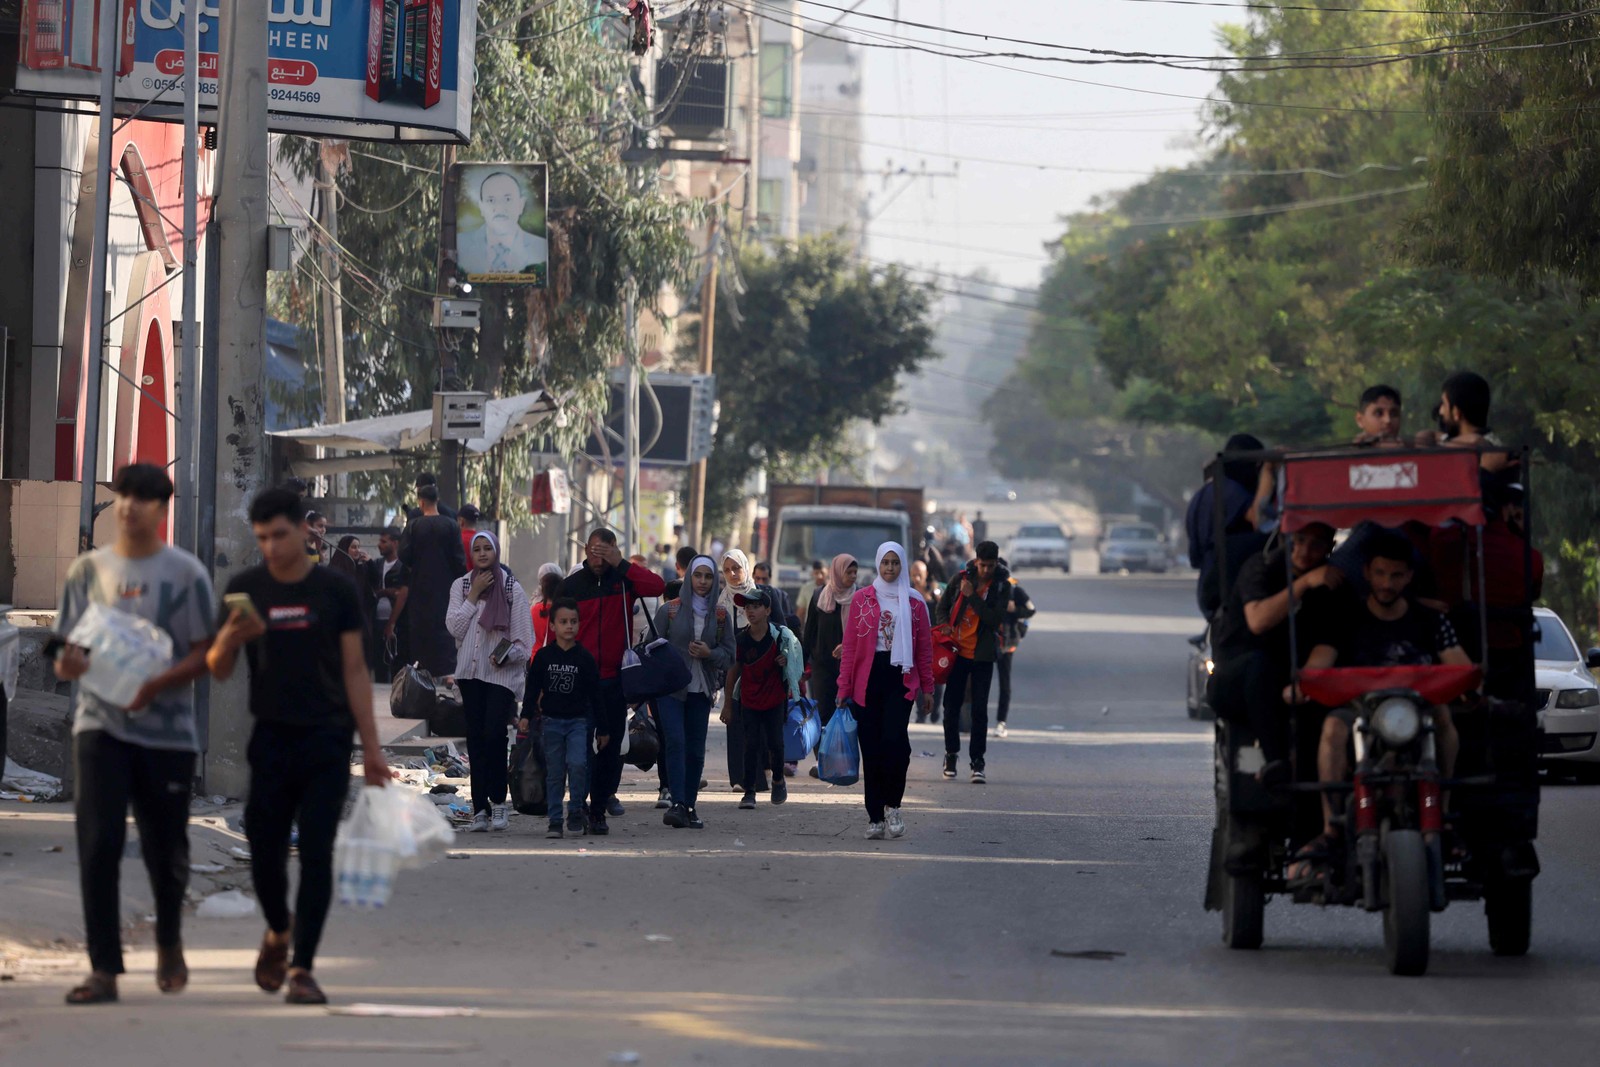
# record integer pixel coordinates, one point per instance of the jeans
(113, 775)
(683, 732)
(299, 775)
(488, 709)
(763, 743)
(955, 692)
(1003, 669)
(566, 762)
(883, 726)
(605, 770)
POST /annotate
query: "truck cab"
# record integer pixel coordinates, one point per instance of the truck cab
(806, 532)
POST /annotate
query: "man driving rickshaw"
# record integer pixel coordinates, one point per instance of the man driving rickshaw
(1386, 677)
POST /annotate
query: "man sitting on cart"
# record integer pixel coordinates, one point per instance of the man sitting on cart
(1387, 629)
(1251, 641)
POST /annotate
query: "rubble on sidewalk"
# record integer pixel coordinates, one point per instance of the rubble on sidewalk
(20, 783)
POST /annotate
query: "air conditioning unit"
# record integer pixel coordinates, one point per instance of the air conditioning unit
(703, 112)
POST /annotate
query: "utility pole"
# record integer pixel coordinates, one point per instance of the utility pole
(333, 388)
(630, 421)
(188, 437)
(449, 373)
(708, 327)
(240, 219)
(94, 356)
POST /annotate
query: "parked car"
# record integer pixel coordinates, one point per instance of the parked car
(1134, 546)
(1041, 545)
(1570, 701)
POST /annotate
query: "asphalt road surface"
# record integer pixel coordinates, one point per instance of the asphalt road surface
(1052, 916)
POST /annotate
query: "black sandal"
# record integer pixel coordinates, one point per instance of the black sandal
(98, 988)
(1310, 862)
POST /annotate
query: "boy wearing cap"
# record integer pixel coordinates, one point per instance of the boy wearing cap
(758, 680)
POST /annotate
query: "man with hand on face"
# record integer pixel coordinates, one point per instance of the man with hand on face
(141, 756)
(1250, 641)
(605, 589)
(972, 609)
(299, 626)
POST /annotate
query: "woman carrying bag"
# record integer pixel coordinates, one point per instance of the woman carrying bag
(886, 665)
(823, 639)
(493, 626)
(700, 628)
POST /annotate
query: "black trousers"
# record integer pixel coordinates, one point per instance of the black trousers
(955, 692)
(488, 709)
(1248, 690)
(112, 776)
(763, 743)
(605, 770)
(736, 749)
(1003, 669)
(299, 776)
(883, 725)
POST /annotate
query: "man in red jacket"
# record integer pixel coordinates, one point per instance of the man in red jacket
(605, 588)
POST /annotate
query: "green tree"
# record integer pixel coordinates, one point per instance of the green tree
(815, 343)
(547, 88)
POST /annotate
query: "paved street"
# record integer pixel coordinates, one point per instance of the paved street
(1052, 916)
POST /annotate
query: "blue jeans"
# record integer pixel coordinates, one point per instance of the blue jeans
(684, 723)
(566, 759)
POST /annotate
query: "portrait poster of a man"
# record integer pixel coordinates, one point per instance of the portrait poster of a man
(501, 227)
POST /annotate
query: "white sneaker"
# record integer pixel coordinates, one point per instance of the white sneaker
(896, 824)
(1002, 731)
(480, 823)
(875, 831)
(498, 820)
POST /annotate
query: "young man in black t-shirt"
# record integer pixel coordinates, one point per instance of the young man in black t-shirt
(1387, 629)
(563, 695)
(301, 634)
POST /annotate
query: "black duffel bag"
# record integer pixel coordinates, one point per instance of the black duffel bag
(644, 742)
(413, 694)
(652, 668)
(449, 716)
(527, 774)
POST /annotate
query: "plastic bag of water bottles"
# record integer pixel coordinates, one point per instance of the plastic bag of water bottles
(390, 829)
(125, 651)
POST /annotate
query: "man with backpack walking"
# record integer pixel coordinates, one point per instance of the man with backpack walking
(970, 613)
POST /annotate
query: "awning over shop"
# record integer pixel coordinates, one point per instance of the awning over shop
(505, 417)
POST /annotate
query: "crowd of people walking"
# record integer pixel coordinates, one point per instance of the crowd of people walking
(317, 621)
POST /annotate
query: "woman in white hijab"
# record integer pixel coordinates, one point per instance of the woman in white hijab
(886, 666)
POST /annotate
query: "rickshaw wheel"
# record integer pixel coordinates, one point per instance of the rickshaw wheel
(1243, 911)
(1508, 905)
(1406, 914)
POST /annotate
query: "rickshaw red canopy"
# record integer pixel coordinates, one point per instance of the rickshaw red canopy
(1434, 486)
(1334, 687)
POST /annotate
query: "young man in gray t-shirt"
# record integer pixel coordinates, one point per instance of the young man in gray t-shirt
(141, 756)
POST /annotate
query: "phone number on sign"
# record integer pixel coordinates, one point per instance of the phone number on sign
(299, 96)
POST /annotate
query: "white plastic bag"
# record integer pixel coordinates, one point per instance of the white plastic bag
(389, 830)
(125, 652)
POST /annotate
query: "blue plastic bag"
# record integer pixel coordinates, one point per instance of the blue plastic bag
(839, 757)
(801, 731)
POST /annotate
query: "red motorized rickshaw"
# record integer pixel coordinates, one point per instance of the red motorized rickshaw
(1402, 856)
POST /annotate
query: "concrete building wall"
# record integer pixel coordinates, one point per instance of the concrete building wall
(830, 136)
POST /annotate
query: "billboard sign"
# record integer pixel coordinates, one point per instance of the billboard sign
(499, 229)
(382, 70)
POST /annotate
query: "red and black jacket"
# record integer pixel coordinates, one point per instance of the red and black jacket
(605, 609)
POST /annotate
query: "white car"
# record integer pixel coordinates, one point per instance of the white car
(1041, 545)
(1570, 713)
(1134, 546)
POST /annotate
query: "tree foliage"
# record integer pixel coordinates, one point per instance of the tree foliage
(815, 343)
(546, 89)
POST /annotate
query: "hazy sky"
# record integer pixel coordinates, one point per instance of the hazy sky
(994, 215)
